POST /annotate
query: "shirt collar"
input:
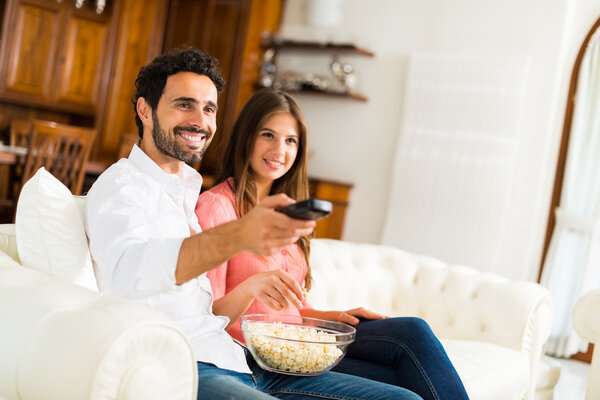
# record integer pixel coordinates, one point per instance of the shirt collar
(189, 177)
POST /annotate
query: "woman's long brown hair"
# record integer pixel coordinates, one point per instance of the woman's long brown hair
(236, 163)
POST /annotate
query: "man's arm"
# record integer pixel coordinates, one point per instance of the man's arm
(263, 231)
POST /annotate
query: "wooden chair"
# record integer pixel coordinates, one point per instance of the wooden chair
(19, 131)
(62, 149)
(127, 142)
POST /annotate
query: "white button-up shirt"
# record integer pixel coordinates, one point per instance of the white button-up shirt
(137, 216)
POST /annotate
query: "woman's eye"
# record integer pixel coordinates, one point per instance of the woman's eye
(292, 140)
(267, 134)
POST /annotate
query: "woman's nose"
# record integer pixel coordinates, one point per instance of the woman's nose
(279, 146)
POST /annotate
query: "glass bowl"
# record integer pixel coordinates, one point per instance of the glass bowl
(295, 345)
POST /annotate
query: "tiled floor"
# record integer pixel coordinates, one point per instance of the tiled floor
(573, 380)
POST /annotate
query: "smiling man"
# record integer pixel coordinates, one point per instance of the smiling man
(147, 245)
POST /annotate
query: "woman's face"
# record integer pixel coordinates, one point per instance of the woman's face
(275, 148)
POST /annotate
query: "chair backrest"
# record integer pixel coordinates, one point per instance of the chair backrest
(19, 132)
(127, 142)
(62, 149)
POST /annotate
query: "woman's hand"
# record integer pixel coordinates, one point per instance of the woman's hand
(277, 289)
(352, 316)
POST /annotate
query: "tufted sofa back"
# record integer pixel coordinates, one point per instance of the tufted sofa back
(457, 301)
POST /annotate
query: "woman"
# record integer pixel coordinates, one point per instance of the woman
(266, 155)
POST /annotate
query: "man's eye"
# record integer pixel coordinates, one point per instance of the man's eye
(184, 105)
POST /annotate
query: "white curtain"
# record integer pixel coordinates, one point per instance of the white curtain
(455, 157)
(572, 266)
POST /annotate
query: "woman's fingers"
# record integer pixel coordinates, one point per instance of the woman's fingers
(361, 312)
(278, 290)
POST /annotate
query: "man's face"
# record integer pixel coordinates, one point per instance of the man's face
(185, 119)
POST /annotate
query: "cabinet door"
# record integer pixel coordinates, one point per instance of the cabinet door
(32, 31)
(81, 60)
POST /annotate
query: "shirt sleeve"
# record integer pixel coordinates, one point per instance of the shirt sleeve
(213, 209)
(130, 259)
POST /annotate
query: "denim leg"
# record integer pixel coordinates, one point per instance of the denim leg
(403, 352)
(215, 383)
(330, 385)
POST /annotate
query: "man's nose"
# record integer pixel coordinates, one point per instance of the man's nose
(199, 120)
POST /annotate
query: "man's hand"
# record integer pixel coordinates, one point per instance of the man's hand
(265, 231)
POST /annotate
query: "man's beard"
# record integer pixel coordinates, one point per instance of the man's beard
(171, 147)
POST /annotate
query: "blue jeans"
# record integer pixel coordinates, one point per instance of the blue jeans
(403, 352)
(219, 384)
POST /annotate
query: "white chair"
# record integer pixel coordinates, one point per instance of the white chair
(586, 321)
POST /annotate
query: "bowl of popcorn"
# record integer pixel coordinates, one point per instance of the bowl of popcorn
(296, 345)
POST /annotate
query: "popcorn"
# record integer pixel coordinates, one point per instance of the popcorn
(292, 356)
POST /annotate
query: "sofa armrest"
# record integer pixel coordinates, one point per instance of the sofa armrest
(586, 321)
(62, 341)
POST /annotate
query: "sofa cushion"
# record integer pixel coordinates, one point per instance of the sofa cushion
(8, 241)
(489, 371)
(50, 230)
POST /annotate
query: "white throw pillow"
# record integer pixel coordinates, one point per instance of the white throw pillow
(50, 230)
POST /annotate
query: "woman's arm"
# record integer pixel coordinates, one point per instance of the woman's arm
(277, 289)
(351, 317)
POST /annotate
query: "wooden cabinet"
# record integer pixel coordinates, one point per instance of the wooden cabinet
(338, 193)
(53, 55)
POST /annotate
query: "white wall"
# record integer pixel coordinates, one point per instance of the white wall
(354, 142)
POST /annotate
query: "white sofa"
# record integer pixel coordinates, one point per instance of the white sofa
(586, 321)
(62, 341)
(59, 340)
(493, 329)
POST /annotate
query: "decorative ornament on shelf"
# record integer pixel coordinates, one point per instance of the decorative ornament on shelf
(100, 4)
(268, 69)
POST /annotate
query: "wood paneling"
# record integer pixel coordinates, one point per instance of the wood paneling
(265, 18)
(140, 33)
(217, 27)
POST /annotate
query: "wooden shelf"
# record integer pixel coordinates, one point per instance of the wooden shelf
(278, 44)
(348, 95)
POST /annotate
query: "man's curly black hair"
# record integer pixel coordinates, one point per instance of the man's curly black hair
(152, 78)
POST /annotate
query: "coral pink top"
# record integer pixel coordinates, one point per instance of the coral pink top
(217, 206)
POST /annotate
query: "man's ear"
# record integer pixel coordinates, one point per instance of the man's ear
(144, 111)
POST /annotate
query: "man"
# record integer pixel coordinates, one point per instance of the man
(147, 245)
